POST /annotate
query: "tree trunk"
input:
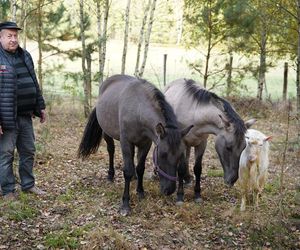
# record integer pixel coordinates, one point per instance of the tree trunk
(285, 81)
(125, 36)
(13, 10)
(262, 64)
(298, 72)
(141, 39)
(205, 75)
(147, 40)
(83, 58)
(24, 22)
(179, 19)
(229, 77)
(88, 55)
(102, 38)
(99, 30)
(40, 44)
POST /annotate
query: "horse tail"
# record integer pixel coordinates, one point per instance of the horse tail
(91, 138)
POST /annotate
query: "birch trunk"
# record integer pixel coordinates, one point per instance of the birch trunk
(179, 4)
(229, 77)
(262, 64)
(147, 40)
(40, 44)
(102, 38)
(209, 47)
(141, 39)
(13, 10)
(125, 36)
(88, 58)
(24, 22)
(298, 71)
(99, 30)
(83, 58)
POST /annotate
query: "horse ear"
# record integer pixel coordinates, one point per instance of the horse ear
(186, 130)
(225, 121)
(160, 130)
(250, 122)
(268, 138)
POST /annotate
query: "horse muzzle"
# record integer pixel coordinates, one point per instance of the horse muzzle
(168, 190)
(230, 181)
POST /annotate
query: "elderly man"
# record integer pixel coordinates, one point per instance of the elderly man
(20, 100)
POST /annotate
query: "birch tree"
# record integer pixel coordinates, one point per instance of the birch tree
(102, 35)
(141, 38)
(83, 60)
(24, 7)
(125, 36)
(179, 6)
(13, 10)
(147, 38)
(40, 42)
(298, 70)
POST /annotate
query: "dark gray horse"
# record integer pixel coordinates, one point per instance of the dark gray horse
(136, 113)
(209, 114)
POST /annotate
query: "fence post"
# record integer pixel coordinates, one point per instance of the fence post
(285, 81)
(165, 68)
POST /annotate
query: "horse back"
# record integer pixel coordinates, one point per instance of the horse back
(125, 106)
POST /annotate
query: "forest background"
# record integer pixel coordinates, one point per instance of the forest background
(247, 51)
(235, 47)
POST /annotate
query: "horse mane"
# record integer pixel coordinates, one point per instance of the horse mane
(203, 96)
(171, 123)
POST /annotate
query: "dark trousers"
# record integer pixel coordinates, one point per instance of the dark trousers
(22, 138)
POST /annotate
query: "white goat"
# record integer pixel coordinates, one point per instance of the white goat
(254, 162)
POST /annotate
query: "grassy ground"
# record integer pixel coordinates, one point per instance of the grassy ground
(81, 210)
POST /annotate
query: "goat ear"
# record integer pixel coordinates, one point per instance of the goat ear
(250, 122)
(268, 138)
(160, 130)
(225, 121)
(186, 130)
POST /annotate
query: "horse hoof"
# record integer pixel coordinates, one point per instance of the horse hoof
(125, 211)
(179, 203)
(141, 195)
(110, 179)
(187, 184)
(198, 200)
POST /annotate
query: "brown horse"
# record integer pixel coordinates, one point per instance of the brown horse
(209, 114)
(136, 113)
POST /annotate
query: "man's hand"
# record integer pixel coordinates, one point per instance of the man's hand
(1, 132)
(43, 116)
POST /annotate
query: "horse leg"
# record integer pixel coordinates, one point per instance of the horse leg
(199, 151)
(128, 173)
(110, 145)
(181, 174)
(187, 176)
(140, 169)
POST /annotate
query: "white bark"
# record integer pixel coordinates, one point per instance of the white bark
(83, 58)
(125, 36)
(141, 39)
(147, 40)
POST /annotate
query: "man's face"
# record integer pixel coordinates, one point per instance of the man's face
(9, 39)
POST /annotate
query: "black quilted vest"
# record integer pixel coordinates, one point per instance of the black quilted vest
(8, 88)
